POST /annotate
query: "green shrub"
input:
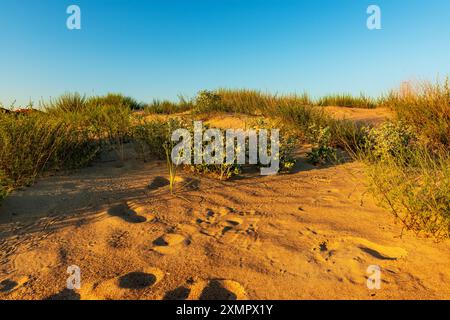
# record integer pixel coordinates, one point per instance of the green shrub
(391, 141)
(409, 178)
(322, 152)
(208, 101)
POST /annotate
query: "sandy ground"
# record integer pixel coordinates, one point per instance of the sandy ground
(372, 116)
(310, 234)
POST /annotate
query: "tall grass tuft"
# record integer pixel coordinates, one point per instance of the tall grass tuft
(426, 106)
(246, 101)
(347, 100)
(418, 193)
(169, 107)
(115, 99)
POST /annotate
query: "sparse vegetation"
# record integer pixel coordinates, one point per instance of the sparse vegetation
(347, 100)
(322, 151)
(426, 107)
(407, 159)
(169, 107)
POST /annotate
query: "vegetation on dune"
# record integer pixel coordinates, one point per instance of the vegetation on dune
(69, 134)
(407, 159)
(36, 142)
(169, 107)
(424, 106)
(347, 100)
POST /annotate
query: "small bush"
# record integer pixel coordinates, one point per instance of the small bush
(208, 101)
(288, 141)
(391, 141)
(409, 178)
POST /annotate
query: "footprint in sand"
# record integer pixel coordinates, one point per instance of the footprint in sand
(216, 289)
(186, 183)
(379, 251)
(10, 285)
(170, 243)
(158, 182)
(229, 227)
(131, 212)
(347, 258)
(355, 246)
(127, 286)
(65, 294)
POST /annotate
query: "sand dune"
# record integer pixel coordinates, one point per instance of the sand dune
(310, 234)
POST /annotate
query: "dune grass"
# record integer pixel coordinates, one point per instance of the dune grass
(408, 160)
(426, 107)
(347, 100)
(169, 107)
(70, 133)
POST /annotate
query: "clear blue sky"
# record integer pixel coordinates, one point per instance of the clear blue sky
(158, 49)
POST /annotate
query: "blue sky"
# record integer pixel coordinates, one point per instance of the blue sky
(159, 49)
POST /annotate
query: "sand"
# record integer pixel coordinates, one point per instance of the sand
(310, 234)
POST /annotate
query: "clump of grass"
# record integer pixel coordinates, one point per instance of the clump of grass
(245, 101)
(347, 100)
(417, 193)
(426, 107)
(70, 133)
(35, 142)
(114, 123)
(169, 107)
(115, 99)
(68, 102)
(408, 159)
(151, 136)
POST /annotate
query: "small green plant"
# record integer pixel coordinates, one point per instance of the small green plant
(322, 151)
(424, 106)
(171, 166)
(391, 141)
(288, 140)
(169, 107)
(208, 101)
